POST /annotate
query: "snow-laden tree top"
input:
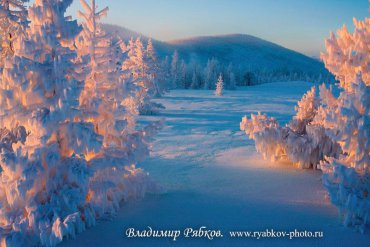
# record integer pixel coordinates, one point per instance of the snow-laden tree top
(347, 54)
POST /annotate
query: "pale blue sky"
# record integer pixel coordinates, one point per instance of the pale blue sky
(301, 25)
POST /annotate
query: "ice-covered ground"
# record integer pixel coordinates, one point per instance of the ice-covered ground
(213, 177)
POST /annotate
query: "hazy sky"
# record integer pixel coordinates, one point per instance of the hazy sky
(301, 25)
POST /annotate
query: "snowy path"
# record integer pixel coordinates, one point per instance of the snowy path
(213, 177)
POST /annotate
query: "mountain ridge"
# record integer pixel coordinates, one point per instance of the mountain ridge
(245, 51)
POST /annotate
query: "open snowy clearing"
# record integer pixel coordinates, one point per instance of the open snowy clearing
(213, 177)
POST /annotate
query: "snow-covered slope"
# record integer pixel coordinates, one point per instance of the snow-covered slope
(123, 32)
(214, 177)
(245, 52)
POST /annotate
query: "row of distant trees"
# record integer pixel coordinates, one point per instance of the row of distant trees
(173, 72)
(178, 74)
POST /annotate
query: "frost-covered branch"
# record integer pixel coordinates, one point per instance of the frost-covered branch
(300, 142)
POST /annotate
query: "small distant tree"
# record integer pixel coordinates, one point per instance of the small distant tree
(183, 76)
(194, 80)
(210, 73)
(230, 77)
(155, 89)
(232, 82)
(249, 79)
(175, 70)
(219, 86)
(164, 74)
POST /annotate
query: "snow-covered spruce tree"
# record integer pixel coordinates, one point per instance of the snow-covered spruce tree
(219, 86)
(112, 109)
(175, 70)
(232, 81)
(183, 75)
(165, 74)
(231, 84)
(346, 120)
(194, 80)
(156, 86)
(13, 21)
(210, 74)
(52, 161)
(136, 66)
(103, 86)
(299, 141)
(43, 182)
